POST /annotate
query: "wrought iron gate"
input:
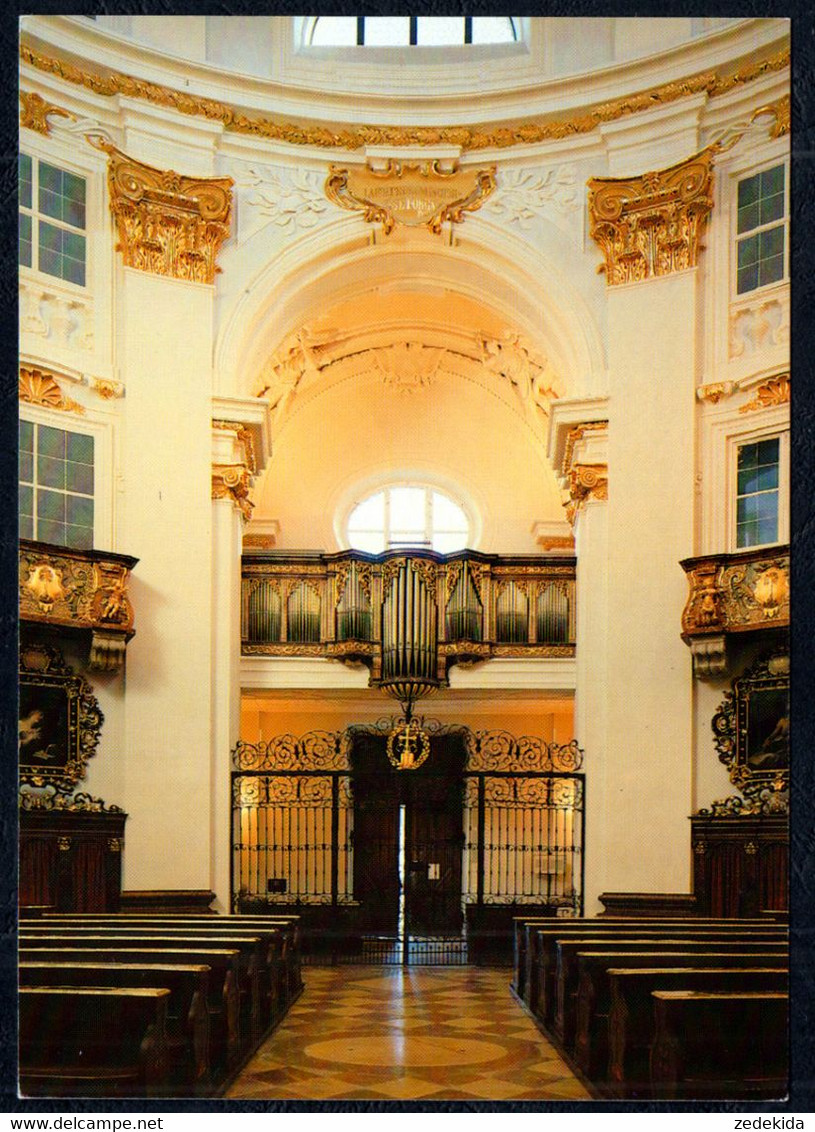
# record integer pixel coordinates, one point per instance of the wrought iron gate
(392, 866)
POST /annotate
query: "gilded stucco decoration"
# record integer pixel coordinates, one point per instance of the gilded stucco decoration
(106, 389)
(413, 194)
(407, 367)
(586, 481)
(781, 112)
(233, 481)
(530, 375)
(774, 391)
(34, 112)
(652, 225)
(716, 391)
(38, 387)
(112, 83)
(79, 590)
(576, 434)
(244, 437)
(50, 801)
(734, 593)
(167, 223)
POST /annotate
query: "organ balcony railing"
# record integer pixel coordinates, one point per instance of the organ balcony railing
(80, 591)
(744, 592)
(415, 610)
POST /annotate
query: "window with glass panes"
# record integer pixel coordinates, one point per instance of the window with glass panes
(56, 487)
(52, 220)
(757, 492)
(411, 31)
(761, 230)
(408, 516)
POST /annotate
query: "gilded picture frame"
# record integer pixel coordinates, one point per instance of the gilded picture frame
(59, 720)
(751, 728)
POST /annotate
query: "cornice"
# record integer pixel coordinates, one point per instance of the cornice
(110, 83)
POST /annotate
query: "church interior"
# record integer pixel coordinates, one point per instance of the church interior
(404, 572)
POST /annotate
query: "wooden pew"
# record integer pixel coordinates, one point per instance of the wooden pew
(722, 1046)
(564, 1024)
(526, 984)
(547, 971)
(187, 1009)
(272, 976)
(224, 982)
(251, 966)
(540, 998)
(288, 981)
(630, 1016)
(93, 1041)
(593, 1002)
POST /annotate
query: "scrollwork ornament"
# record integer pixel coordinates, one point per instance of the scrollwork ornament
(50, 799)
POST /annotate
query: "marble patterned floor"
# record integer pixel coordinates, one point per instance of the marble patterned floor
(393, 1034)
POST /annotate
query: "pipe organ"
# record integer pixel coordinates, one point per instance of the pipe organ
(408, 615)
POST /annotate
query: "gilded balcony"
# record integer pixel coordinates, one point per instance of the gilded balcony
(82, 590)
(345, 606)
(733, 593)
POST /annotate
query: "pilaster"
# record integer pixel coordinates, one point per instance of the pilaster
(240, 451)
(650, 230)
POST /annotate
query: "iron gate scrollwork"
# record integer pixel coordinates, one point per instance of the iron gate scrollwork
(393, 866)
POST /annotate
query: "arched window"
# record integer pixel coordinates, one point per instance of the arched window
(408, 515)
(410, 31)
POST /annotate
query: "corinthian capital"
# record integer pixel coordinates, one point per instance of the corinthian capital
(651, 225)
(168, 224)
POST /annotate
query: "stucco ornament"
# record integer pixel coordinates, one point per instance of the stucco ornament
(532, 377)
(295, 359)
(523, 195)
(408, 367)
(291, 199)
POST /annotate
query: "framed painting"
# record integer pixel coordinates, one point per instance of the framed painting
(59, 720)
(751, 728)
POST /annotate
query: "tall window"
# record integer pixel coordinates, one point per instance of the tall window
(757, 493)
(56, 486)
(411, 31)
(761, 230)
(52, 220)
(408, 516)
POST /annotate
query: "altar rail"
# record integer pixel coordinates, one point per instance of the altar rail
(335, 605)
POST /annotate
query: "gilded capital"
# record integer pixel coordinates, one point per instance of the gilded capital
(232, 481)
(168, 224)
(652, 225)
(586, 481)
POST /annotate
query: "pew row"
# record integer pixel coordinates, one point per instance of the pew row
(526, 937)
(248, 976)
(570, 962)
